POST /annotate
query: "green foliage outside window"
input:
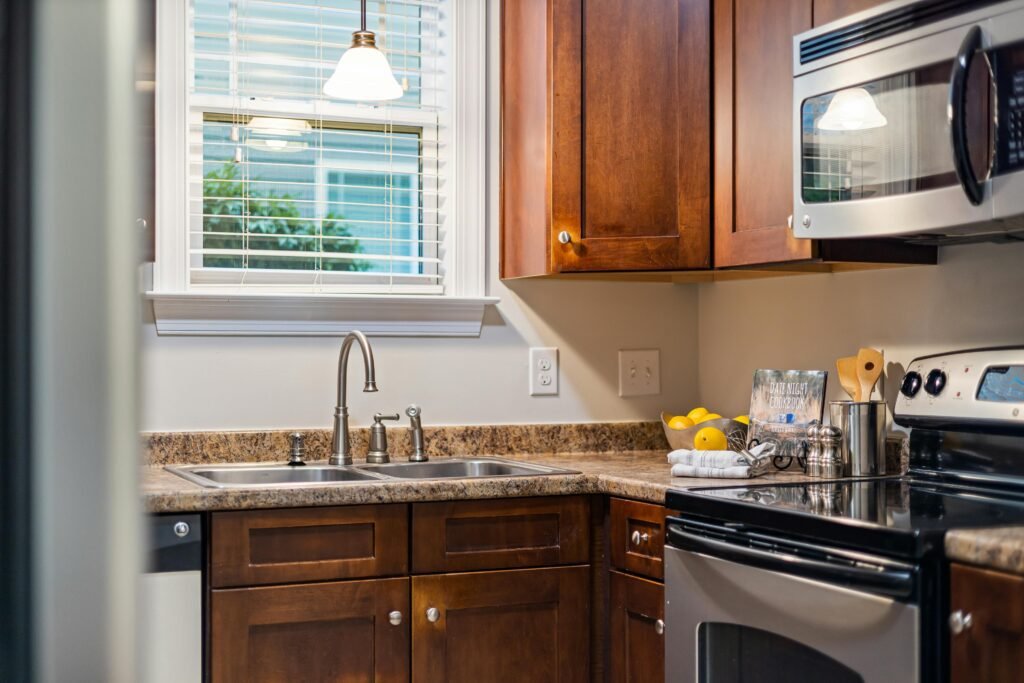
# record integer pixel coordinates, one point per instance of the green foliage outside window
(275, 223)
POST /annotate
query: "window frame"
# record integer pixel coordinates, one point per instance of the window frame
(181, 307)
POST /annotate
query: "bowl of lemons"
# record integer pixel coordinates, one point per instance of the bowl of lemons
(705, 431)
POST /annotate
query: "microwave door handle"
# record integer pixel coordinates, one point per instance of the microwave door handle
(973, 188)
(894, 583)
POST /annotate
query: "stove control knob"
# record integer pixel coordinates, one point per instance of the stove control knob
(911, 384)
(935, 382)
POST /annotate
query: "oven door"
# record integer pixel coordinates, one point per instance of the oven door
(729, 617)
(900, 140)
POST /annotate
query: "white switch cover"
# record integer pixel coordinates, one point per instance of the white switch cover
(639, 372)
(543, 371)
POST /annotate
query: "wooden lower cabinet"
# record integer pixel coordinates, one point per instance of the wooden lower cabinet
(991, 647)
(636, 641)
(324, 632)
(502, 626)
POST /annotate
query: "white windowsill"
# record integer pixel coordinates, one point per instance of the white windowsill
(316, 315)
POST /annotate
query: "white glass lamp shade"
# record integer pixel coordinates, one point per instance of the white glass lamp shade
(852, 109)
(281, 135)
(363, 74)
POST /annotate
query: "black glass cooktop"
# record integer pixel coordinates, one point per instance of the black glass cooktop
(898, 515)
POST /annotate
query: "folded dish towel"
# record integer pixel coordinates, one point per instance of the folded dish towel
(722, 464)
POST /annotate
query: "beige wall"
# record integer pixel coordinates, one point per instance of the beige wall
(975, 297)
(253, 383)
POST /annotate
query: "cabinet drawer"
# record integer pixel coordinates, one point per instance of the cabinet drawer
(308, 544)
(637, 537)
(500, 534)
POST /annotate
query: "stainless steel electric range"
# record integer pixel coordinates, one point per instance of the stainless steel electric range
(846, 580)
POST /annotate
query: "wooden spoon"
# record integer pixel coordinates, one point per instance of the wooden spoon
(847, 368)
(870, 363)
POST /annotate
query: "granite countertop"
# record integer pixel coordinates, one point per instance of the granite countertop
(999, 548)
(639, 475)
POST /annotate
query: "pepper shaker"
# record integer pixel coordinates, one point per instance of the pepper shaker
(814, 449)
(830, 451)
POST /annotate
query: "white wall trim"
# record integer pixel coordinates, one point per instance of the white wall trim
(316, 315)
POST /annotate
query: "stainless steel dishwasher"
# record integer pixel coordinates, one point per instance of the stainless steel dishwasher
(172, 601)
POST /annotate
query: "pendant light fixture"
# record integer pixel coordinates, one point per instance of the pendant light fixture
(363, 72)
(852, 109)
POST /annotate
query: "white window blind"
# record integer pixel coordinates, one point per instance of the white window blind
(289, 189)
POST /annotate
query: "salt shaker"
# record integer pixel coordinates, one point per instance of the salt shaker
(814, 449)
(830, 451)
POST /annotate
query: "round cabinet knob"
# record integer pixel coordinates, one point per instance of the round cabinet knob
(806, 222)
(911, 384)
(564, 237)
(181, 529)
(639, 538)
(960, 621)
(433, 614)
(659, 627)
(395, 617)
(935, 382)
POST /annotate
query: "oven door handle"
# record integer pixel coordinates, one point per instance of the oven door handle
(973, 188)
(895, 583)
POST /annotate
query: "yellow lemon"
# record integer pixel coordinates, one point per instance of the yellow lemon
(709, 416)
(680, 422)
(745, 419)
(710, 439)
(697, 413)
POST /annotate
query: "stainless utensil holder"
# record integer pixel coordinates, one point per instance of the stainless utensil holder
(864, 428)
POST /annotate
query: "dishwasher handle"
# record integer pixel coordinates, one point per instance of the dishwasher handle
(892, 582)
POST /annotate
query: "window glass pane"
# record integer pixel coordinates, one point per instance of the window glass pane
(730, 653)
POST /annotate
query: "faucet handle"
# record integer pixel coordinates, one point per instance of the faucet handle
(378, 452)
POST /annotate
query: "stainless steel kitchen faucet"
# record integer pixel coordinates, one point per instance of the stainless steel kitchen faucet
(341, 452)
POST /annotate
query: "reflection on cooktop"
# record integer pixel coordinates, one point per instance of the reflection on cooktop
(895, 503)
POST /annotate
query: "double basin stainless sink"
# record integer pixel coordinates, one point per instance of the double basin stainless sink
(260, 475)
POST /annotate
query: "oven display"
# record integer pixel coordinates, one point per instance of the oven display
(1003, 384)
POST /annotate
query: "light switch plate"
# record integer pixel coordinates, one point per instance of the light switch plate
(639, 372)
(543, 371)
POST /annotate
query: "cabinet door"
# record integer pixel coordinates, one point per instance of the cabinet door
(606, 129)
(830, 10)
(505, 626)
(753, 130)
(311, 632)
(991, 647)
(636, 640)
(637, 115)
(637, 537)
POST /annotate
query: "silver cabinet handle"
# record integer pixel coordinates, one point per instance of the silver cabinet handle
(639, 538)
(433, 614)
(960, 621)
(659, 627)
(564, 237)
(395, 617)
(181, 529)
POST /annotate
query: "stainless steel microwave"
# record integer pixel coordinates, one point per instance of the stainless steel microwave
(909, 121)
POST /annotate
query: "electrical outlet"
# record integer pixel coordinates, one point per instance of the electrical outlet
(543, 371)
(639, 372)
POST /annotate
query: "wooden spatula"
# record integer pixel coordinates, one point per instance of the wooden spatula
(847, 368)
(869, 368)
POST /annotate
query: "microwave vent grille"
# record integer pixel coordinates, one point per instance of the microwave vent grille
(883, 25)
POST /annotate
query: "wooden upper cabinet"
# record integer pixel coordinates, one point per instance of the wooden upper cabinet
(830, 10)
(344, 631)
(753, 147)
(991, 647)
(605, 136)
(502, 627)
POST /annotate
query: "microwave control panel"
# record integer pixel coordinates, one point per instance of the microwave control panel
(1009, 67)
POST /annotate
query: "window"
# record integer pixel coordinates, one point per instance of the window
(269, 191)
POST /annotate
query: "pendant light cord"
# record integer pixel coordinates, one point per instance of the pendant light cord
(362, 15)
